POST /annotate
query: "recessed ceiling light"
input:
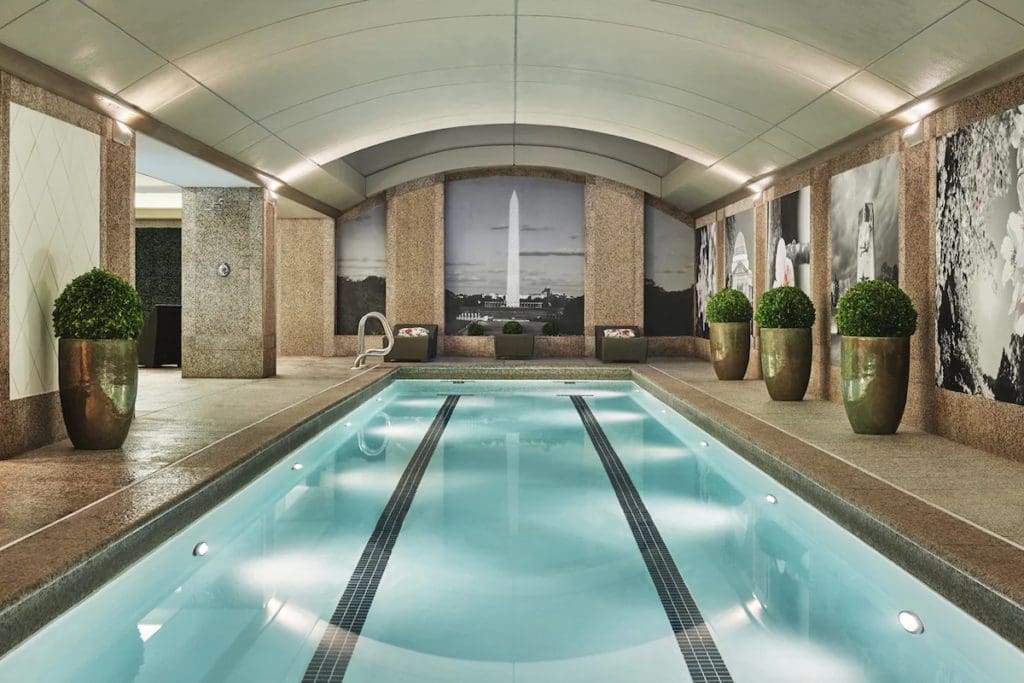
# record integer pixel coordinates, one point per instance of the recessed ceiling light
(201, 549)
(910, 622)
(771, 499)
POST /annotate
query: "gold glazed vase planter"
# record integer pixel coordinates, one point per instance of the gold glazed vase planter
(99, 381)
(730, 349)
(875, 375)
(786, 355)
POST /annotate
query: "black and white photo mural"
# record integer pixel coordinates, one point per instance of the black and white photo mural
(705, 238)
(789, 241)
(360, 246)
(865, 229)
(513, 251)
(979, 213)
(669, 275)
(739, 252)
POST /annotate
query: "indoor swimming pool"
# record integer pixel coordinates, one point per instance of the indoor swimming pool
(502, 531)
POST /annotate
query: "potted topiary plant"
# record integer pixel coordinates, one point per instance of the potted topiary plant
(785, 316)
(512, 343)
(876, 320)
(97, 318)
(729, 313)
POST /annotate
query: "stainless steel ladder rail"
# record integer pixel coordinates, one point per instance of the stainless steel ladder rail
(364, 353)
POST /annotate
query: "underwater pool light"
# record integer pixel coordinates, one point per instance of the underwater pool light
(201, 549)
(772, 500)
(297, 466)
(910, 622)
(704, 444)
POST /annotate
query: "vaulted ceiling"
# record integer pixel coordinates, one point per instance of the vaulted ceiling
(725, 89)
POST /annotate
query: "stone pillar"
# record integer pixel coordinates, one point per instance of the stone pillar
(917, 278)
(229, 323)
(117, 202)
(305, 286)
(614, 272)
(415, 248)
(821, 281)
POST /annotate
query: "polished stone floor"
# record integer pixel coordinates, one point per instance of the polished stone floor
(175, 419)
(984, 489)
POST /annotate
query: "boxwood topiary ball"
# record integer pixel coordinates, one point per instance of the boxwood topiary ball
(785, 307)
(512, 327)
(549, 329)
(876, 308)
(98, 305)
(475, 329)
(729, 306)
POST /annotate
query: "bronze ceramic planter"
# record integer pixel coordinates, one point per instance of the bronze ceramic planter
(786, 355)
(99, 380)
(875, 375)
(513, 346)
(730, 349)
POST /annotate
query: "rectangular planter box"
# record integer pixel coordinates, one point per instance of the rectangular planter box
(513, 346)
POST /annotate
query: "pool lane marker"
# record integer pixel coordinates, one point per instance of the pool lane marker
(333, 654)
(697, 645)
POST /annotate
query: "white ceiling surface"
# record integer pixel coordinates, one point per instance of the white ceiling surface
(738, 87)
(162, 170)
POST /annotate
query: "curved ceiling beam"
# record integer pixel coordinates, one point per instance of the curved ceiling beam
(484, 156)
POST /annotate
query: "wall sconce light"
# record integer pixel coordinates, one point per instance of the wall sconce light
(122, 134)
(914, 134)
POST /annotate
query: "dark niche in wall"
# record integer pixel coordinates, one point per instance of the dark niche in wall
(979, 214)
(513, 251)
(668, 275)
(361, 245)
(158, 266)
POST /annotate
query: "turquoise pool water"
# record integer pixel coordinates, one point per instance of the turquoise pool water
(496, 537)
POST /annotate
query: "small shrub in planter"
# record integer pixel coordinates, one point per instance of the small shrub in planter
(729, 313)
(512, 343)
(550, 329)
(98, 305)
(729, 306)
(475, 329)
(98, 317)
(786, 316)
(876, 308)
(785, 308)
(876, 319)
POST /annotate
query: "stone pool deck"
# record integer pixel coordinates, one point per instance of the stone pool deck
(952, 515)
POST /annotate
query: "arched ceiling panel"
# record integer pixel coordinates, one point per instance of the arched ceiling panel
(421, 80)
(315, 69)
(737, 86)
(625, 114)
(727, 76)
(706, 28)
(859, 32)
